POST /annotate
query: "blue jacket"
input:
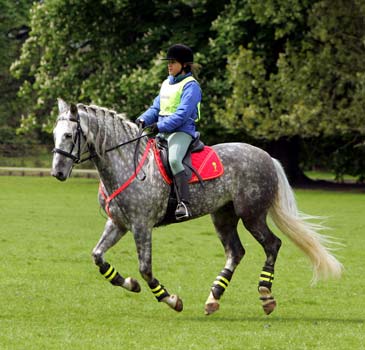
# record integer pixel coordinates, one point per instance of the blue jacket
(184, 117)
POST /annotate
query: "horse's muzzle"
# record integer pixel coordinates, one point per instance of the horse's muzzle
(59, 175)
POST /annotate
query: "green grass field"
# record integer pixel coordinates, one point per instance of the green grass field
(53, 297)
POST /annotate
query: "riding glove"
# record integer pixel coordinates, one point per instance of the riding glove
(140, 123)
(154, 128)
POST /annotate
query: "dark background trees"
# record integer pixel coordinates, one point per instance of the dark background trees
(286, 75)
(13, 32)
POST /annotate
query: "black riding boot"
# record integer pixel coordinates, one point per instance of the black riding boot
(182, 211)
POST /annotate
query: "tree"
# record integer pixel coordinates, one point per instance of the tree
(298, 74)
(13, 31)
(283, 74)
(106, 52)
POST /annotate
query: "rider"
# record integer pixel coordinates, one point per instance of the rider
(173, 114)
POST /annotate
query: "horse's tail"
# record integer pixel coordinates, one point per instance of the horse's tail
(303, 233)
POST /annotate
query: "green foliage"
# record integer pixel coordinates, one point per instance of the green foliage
(55, 298)
(270, 69)
(308, 80)
(104, 52)
(13, 30)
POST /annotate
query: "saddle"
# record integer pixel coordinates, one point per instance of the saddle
(196, 146)
(201, 162)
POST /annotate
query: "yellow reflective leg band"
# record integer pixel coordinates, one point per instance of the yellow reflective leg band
(159, 292)
(266, 276)
(156, 289)
(220, 284)
(111, 268)
(110, 273)
(223, 279)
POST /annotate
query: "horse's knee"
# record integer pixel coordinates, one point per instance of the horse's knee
(240, 253)
(145, 271)
(272, 245)
(278, 243)
(97, 257)
(236, 255)
(234, 251)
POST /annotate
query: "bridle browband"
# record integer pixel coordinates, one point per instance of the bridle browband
(77, 159)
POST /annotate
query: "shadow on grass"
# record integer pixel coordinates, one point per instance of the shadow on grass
(269, 319)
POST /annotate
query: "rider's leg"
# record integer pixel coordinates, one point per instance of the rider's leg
(178, 144)
(182, 187)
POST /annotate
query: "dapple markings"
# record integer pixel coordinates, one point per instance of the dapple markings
(253, 185)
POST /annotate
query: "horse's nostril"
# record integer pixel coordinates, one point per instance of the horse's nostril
(59, 175)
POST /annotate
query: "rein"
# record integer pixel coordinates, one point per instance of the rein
(77, 159)
(107, 198)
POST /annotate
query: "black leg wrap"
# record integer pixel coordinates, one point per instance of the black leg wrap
(111, 274)
(158, 290)
(266, 277)
(221, 283)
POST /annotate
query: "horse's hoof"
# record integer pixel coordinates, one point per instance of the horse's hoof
(132, 285)
(268, 301)
(211, 308)
(269, 307)
(179, 304)
(174, 302)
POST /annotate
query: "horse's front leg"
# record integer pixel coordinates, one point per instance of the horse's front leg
(143, 239)
(111, 235)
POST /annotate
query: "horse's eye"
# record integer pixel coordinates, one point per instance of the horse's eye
(68, 136)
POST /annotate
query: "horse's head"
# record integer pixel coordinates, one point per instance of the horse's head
(68, 139)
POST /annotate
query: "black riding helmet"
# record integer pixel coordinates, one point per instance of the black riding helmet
(180, 53)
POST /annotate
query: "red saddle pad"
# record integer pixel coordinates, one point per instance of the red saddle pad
(206, 162)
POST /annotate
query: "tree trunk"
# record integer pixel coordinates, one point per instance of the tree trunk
(287, 151)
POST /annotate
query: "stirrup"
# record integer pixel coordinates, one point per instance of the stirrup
(182, 211)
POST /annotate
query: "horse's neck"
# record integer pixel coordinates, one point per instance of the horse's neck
(106, 131)
(104, 128)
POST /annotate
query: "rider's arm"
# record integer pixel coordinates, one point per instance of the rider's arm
(151, 115)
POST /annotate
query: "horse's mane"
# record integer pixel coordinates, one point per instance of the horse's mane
(120, 128)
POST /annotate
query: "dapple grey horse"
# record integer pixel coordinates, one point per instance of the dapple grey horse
(253, 185)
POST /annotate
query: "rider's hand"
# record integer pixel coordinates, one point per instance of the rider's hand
(140, 123)
(154, 128)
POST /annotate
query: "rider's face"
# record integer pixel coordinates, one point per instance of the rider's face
(174, 67)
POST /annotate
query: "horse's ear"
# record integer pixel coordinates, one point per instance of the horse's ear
(62, 106)
(73, 109)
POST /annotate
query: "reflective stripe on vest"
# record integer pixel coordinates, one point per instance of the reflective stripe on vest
(170, 96)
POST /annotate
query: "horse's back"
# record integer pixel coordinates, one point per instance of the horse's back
(249, 172)
(243, 157)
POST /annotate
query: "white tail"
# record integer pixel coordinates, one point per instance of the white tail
(303, 233)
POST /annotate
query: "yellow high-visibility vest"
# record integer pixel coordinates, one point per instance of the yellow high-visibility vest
(170, 96)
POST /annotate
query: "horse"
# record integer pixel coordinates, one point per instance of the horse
(135, 197)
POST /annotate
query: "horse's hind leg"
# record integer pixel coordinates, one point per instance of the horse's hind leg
(257, 226)
(225, 222)
(111, 235)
